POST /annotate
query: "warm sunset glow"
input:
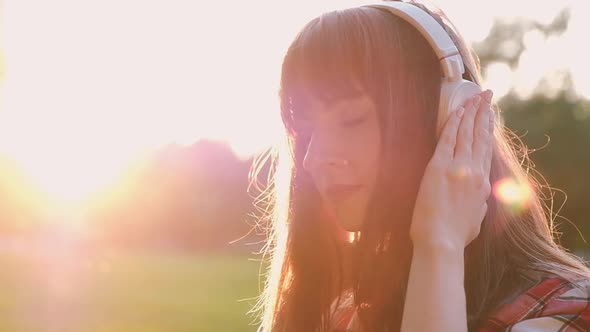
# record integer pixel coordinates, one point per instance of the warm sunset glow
(71, 172)
(128, 200)
(88, 87)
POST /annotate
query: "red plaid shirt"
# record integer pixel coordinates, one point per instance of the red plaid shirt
(552, 305)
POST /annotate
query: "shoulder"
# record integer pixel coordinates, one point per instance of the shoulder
(553, 304)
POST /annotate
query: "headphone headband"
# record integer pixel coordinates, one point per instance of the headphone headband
(446, 51)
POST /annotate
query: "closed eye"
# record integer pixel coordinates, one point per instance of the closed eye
(354, 122)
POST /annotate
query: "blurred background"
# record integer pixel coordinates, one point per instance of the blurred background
(128, 127)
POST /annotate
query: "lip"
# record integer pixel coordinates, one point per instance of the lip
(341, 191)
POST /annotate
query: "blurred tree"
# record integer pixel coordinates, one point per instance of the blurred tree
(184, 198)
(554, 125)
(557, 133)
(505, 42)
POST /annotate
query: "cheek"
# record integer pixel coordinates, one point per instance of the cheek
(365, 143)
(403, 165)
(408, 166)
(368, 150)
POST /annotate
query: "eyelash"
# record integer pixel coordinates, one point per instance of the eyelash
(355, 122)
(305, 130)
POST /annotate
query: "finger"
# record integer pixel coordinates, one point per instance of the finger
(445, 147)
(490, 146)
(465, 135)
(476, 230)
(482, 213)
(481, 131)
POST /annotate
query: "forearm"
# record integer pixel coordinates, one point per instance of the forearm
(435, 298)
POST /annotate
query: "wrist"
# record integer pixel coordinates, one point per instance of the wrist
(438, 248)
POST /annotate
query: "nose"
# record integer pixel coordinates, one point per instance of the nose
(319, 158)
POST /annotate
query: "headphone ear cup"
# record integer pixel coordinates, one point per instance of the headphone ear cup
(453, 95)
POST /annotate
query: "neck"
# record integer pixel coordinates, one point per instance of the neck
(346, 252)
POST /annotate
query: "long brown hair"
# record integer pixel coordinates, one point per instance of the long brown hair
(397, 68)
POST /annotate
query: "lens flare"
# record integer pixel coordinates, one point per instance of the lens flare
(512, 194)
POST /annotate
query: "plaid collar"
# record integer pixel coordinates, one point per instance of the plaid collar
(552, 305)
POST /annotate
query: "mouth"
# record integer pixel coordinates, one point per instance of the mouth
(338, 192)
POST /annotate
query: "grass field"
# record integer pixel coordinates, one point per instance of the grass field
(124, 292)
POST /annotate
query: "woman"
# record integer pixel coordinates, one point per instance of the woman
(380, 220)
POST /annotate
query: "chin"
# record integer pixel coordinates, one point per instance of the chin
(349, 224)
(348, 218)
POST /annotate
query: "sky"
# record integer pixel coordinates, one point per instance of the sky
(88, 86)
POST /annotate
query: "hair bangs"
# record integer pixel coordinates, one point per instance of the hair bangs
(329, 59)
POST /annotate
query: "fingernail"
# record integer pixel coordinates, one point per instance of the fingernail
(460, 111)
(488, 95)
(476, 101)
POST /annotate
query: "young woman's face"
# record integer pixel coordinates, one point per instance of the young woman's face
(343, 155)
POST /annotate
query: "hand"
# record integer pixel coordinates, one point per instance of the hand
(451, 200)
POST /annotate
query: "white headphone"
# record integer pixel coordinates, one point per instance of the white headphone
(454, 89)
